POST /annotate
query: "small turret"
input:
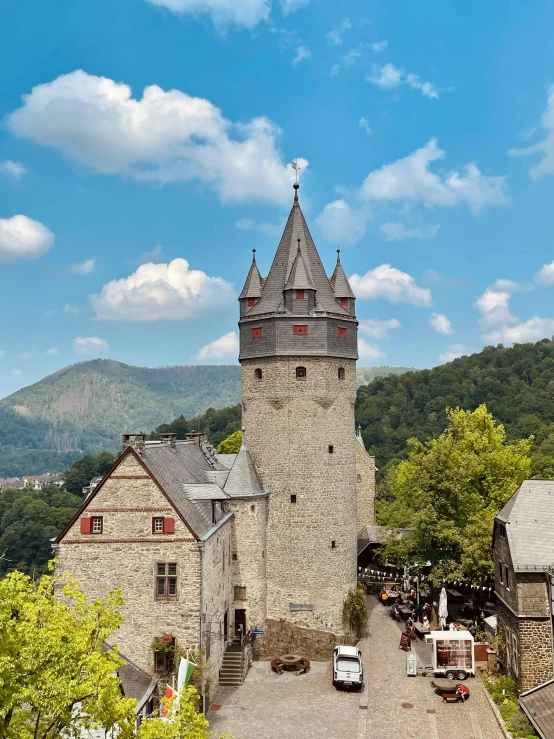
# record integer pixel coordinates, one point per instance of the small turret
(252, 290)
(299, 291)
(341, 287)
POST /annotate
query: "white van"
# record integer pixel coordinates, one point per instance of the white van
(347, 667)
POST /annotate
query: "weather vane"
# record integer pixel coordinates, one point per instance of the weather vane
(296, 168)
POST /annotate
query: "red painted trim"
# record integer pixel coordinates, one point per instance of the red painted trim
(300, 330)
(169, 525)
(130, 510)
(86, 525)
(123, 541)
(130, 477)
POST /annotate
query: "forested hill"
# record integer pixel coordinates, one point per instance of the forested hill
(86, 407)
(517, 385)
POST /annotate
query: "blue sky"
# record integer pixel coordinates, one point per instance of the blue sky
(137, 134)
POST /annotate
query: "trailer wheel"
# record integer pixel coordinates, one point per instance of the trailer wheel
(450, 675)
(461, 675)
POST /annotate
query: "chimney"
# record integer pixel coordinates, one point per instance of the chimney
(196, 437)
(169, 439)
(137, 441)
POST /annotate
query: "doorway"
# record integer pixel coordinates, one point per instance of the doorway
(240, 621)
(225, 625)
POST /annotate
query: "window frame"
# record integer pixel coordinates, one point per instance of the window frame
(167, 577)
(92, 521)
(341, 373)
(299, 375)
(155, 519)
(258, 374)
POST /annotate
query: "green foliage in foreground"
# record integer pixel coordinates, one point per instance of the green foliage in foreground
(448, 492)
(354, 609)
(53, 658)
(503, 692)
(28, 520)
(231, 445)
(517, 385)
(81, 472)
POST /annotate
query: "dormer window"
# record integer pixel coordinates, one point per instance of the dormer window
(251, 302)
(344, 303)
(300, 330)
(300, 294)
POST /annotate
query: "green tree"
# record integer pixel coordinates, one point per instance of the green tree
(447, 493)
(354, 609)
(187, 722)
(231, 445)
(81, 472)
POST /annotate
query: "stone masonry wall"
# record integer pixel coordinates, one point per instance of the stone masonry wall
(125, 556)
(282, 637)
(508, 629)
(249, 557)
(507, 591)
(365, 486)
(290, 425)
(535, 652)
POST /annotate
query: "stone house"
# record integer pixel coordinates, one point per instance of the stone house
(523, 553)
(205, 547)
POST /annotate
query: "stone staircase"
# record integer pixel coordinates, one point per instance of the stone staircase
(232, 670)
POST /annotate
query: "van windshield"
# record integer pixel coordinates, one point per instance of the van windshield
(348, 665)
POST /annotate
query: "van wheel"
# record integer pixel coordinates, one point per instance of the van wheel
(461, 675)
(450, 675)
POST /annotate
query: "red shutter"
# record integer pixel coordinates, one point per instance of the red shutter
(257, 333)
(344, 302)
(169, 525)
(341, 332)
(300, 330)
(251, 302)
(300, 294)
(85, 525)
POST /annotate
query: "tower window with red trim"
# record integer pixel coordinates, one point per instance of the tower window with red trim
(257, 332)
(300, 294)
(97, 524)
(300, 330)
(251, 302)
(344, 303)
(341, 332)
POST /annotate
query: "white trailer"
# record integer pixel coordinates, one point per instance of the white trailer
(453, 655)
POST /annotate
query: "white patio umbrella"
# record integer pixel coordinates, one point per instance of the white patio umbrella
(443, 608)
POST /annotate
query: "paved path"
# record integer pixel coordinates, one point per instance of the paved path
(270, 706)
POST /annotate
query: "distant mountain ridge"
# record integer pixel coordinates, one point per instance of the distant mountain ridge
(85, 407)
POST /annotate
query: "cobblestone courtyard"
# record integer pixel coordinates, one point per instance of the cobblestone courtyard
(270, 706)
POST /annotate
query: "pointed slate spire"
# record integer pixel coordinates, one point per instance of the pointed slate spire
(253, 285)
(300, 277)
(359, 437)
(339, 281)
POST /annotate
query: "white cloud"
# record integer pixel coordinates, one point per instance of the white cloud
(242, 13)
(302, 52)
(14, 170)
(71, 309)
(369, 351)
(545, 276)
(378, 329)
(90, 345)
(454, 351)
(291, 6)
(426, 88)
(411, 179)
(269, 229)
(441, 323)
(226, 346)
(17, 372)
(335, 37)
(546, 147)
(83, 268)
(162, 291)
(161, 137)
(493, 304)
(386, 76)
(379, 46)
(364, 123)
(390, 284)
(156, 255)
(342, 224)
(52, 350)
(25, 355)
(394, 231)
(347, 60)
(532, 330)
(23, 238)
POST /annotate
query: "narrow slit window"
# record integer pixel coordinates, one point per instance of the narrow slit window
(293, 498)
(331, 449)
(333, 544)
(342, 373)
(300, 373)
(258, 374)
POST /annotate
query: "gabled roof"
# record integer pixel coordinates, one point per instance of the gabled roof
(538, 705)
(243, 480)
(359, 438)
(529, 519)
(272, 293)
(253, 285)
(339, 281)
(300, 277)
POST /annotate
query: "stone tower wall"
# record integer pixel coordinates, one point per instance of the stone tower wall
(289, 426)
(365, 486)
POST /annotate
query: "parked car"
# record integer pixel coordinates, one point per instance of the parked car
(347, 667)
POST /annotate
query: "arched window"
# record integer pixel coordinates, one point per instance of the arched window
(258, 374)
(342, 374)
(300, 373)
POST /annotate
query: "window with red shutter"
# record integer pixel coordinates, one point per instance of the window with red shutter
(300, 330)
(341, 332)
(169, 525)
(96, 524)
(344, 302)
(257, 333)
(251, 302)
(158, 525)
(85, 525)
(300, 294)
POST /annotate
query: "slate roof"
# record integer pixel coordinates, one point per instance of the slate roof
(538, 704)
(205, 491)
(243, 480)
(373, 534)
(272, 292)
(300, 277)
(227, 459)
(339, 281)
(253, 285)
(529, 519)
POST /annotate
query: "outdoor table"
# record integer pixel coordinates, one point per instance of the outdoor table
(442, 684)
(405, 612)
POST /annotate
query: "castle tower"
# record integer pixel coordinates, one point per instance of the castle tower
(298, 351)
